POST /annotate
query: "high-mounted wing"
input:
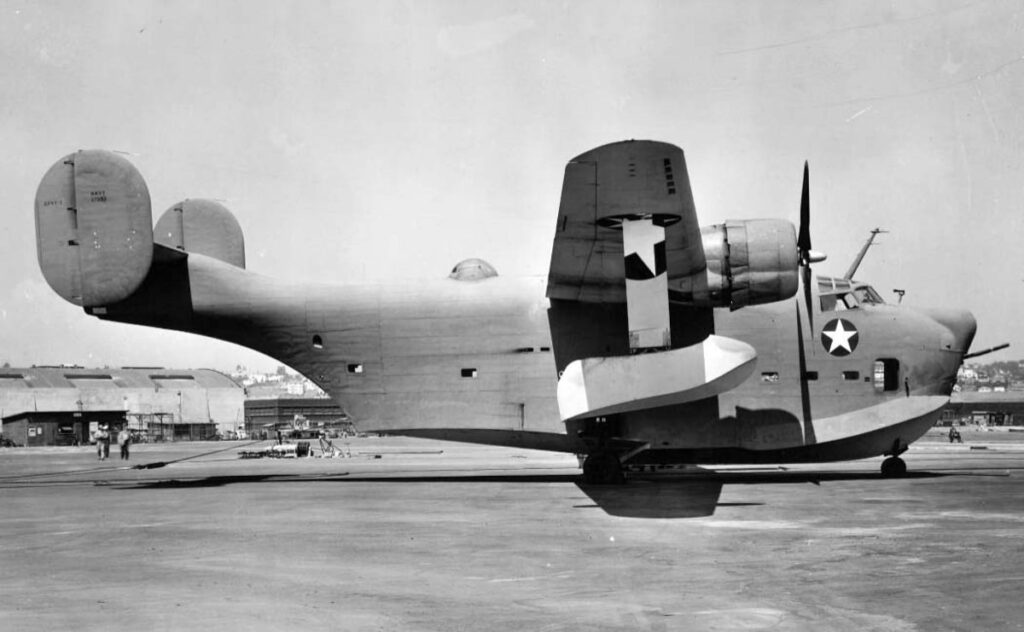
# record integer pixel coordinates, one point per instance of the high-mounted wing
(627, 228)
(629, 179)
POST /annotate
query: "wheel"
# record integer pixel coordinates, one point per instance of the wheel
(603, 468)
(893, 467)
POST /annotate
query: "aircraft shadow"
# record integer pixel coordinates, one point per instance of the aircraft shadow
(693, 498)
(679, 498)
(221, 481)
(690, 495)
(697, 494)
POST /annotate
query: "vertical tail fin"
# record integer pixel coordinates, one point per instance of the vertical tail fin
(94, 228)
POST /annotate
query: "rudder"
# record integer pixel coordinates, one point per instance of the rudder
(205, 227)
(94, 228)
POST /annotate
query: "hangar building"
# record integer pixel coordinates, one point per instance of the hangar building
(1005, 408)
(163, 404)
(264, 416)
(32, 428)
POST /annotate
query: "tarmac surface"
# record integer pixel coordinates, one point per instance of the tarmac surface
(422, 535)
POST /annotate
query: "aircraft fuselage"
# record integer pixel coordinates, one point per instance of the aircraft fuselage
(473, 361)
(652, 339)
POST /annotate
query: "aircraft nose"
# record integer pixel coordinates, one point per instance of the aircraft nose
(961, 325)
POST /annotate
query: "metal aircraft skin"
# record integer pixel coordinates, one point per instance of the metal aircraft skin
(651, 341)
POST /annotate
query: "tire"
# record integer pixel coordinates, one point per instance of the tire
(894, 467)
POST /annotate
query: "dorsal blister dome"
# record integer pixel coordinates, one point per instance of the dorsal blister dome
(472, 270)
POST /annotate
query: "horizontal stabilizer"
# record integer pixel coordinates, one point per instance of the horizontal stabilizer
(94, 228)
(619, 384)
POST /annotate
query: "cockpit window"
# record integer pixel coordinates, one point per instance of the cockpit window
(837, 295)
(838, 302)
(867, 294)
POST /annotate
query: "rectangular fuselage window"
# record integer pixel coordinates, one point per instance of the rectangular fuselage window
(851, 376)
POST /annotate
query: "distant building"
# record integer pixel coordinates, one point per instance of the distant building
(999, 408)
(166, 404)
(60, 428)
(268, 415)
(297, 386)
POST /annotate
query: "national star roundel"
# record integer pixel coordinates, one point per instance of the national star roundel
(839, 337)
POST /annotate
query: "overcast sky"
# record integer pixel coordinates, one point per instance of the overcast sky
(373, 140)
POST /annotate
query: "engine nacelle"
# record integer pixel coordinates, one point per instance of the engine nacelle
(748, 262)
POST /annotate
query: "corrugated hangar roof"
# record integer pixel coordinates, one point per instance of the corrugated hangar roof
(128, 377)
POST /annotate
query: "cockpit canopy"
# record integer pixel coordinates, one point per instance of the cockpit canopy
(837, 295)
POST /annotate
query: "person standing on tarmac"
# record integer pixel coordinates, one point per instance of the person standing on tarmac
(124, 439)
(102, 442)
(954, 435)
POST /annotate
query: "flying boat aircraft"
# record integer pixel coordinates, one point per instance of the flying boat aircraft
(652, 340)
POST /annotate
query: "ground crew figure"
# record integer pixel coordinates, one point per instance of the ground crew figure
(102, 443)
(327, 446)
(124, 438)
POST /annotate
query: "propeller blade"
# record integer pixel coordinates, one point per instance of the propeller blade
(805, 395)
(807, 297)
(803, 245)
(803, 240)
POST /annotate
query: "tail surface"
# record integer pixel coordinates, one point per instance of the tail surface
(94, 229)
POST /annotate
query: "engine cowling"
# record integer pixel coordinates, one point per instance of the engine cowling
(749, 262)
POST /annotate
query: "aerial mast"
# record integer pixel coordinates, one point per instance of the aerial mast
(863, 250)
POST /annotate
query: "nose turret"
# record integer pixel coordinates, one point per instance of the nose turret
(955, 328)
(961, 326)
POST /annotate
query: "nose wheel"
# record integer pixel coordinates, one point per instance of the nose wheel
(894, 467)
(603, 468)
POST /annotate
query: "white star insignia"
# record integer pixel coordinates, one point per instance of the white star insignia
(840, 337)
